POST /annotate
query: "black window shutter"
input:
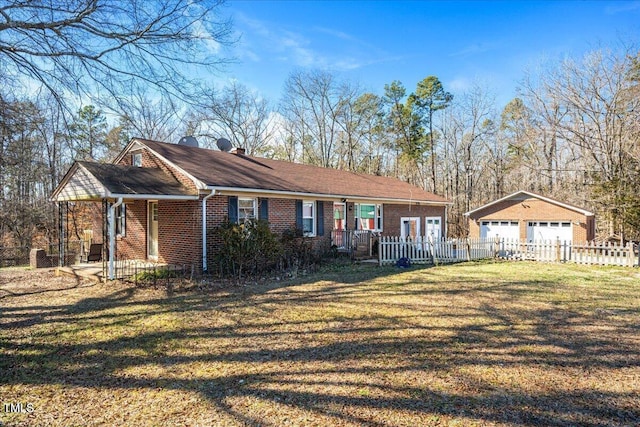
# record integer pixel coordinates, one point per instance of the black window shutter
(320, 218)
(263, 209)
(299, 214)
(233, 208)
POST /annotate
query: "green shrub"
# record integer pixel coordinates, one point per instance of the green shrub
(252, 249)
(249, 248)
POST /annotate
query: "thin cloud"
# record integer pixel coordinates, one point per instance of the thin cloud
(336, 33)
(476, 49)
(622, 7)
(199, 30)
(460, 84)
(286, 45)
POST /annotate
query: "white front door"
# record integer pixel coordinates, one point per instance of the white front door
(152, 231)
(433, 227)
(410, 227)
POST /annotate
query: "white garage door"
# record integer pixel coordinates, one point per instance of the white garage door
(550, 231)
(503, 229)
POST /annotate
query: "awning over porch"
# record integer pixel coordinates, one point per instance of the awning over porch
(113, 184)
(89, 181)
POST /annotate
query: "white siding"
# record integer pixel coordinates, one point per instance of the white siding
(82, 186)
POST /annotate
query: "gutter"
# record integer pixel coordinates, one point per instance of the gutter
(204, 229)
(320, 196)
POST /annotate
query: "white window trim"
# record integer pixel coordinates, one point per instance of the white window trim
(121, 220)
(375, 217)
(255, 208)
(136, 159)
(415, 219)
(313, 217)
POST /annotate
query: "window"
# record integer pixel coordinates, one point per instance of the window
(379, 217)
(246, 210)
(368, 217)
(136, 159)
(121, 220)
(339, 216)
(309, 218)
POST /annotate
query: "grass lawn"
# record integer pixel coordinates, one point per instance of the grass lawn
(472, 344)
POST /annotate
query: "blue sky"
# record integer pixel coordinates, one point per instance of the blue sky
(376, 42)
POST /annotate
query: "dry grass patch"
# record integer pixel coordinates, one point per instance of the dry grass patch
(470, 344)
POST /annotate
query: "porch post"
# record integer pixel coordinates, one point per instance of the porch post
(112, 237)
(105, 234)
(61, 234)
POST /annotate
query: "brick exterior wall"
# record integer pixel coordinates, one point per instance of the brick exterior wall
(180, 232)
(133, 245)
(282, 217)
(533, 209)
(392, 213)
(180, 226)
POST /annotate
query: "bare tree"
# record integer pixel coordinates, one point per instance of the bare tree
(312, 103)
(588, 104)
(159, 118)
(241, 115)
(89, 46)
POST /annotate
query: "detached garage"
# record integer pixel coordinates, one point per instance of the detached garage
(525, 215)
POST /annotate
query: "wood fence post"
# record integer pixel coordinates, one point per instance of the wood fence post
(434, 260)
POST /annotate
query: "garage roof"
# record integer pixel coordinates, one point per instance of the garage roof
(523, 195)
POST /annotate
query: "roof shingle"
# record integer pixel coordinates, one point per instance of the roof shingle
(119, 179)
(222, 169)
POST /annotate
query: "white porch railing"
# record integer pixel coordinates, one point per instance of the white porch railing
(352, 241)
(423, 250)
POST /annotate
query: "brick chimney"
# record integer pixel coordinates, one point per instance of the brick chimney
(238, 151)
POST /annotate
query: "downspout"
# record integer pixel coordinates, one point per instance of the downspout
(446, 224)
(112, 237)
(204, 229)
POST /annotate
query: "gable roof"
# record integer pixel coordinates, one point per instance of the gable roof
(522, 195)
(229, 171)
(93, 181)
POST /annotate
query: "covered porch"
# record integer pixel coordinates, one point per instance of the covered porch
(118, 195)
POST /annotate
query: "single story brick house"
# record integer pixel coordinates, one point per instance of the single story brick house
(529, 216)
(162, 201)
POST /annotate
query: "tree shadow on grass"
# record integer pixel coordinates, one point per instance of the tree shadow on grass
(370, 367)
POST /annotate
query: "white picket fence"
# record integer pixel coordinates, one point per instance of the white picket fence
(424, 250)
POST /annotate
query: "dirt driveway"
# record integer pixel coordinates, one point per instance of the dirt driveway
(16, 281)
